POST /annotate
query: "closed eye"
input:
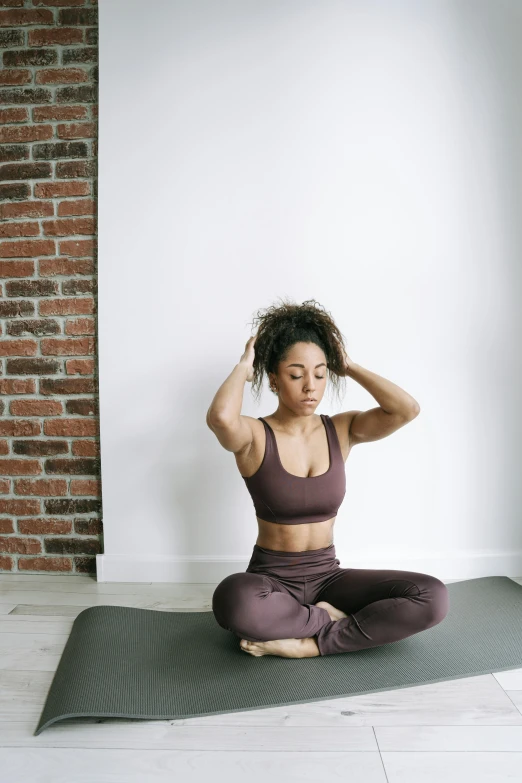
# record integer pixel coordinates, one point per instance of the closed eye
(296, 377)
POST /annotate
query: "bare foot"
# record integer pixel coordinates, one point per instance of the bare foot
(286, 648)
(335, 614)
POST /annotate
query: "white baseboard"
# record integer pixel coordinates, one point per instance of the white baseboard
(447, 566)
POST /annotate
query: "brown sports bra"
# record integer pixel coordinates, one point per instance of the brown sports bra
(281, 497)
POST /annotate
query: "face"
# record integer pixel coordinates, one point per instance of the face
(302, 374)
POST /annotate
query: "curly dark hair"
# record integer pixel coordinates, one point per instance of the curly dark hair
(279, 327)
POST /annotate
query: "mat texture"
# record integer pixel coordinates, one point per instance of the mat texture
(124, 662)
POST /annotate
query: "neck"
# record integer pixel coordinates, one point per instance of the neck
(294, 423)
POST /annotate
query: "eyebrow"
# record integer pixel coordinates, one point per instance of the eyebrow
(302, 365)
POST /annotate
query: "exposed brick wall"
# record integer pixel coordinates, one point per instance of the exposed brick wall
(50, 489)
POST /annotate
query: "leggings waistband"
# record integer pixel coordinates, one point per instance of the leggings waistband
(310, 552)
(302, 565)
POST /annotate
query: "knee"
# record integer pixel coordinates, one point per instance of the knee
(233, 598)
(438, 605)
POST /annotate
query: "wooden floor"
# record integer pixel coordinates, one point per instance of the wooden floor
(466, 728)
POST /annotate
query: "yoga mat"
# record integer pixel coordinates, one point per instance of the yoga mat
(125, 662)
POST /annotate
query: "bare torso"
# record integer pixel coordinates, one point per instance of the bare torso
(301, 457)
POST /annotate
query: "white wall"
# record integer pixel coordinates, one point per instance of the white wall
(364, 154)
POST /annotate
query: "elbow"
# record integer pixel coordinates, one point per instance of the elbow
(212, 419)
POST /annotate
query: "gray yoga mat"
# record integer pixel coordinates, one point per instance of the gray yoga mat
(123, 662)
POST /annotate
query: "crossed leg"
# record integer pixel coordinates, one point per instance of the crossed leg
(382, 606)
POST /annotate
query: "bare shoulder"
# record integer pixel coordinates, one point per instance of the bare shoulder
(342, 422)
(234, 435)
(247, 458)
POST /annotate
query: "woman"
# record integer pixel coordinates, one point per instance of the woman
(294, 600)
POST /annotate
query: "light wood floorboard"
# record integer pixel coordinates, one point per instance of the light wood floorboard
(467, 728)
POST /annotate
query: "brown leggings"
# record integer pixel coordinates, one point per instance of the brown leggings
(274, 599)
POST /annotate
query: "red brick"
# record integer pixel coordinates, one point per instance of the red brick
(27, 209)
(66, 228)
(63, 36)
(28, 248)
(16, 268)
(66, 266)
(6, 563)
(68, 428)
(21, 133)
(20, 467)
(41, 487)
(36, 526)
(20, 508)
(79, 366)
(85, 487)
(36, 407)
(77, 130)
(84, 206)
(56, 189)
(18, 347)
(49, 425)
(14, 114)
(85, 448)
(79, 247)
(61, 76)
(80, 326)
(54, 112)
(10, 76)
(26, 16)
(66, 306)
(55, 564)
(17, 386)
(19, 229)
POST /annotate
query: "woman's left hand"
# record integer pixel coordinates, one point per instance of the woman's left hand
(348, 363)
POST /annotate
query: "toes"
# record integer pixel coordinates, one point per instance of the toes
(249, 647)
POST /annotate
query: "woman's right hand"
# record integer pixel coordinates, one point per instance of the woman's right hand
(248, 357)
